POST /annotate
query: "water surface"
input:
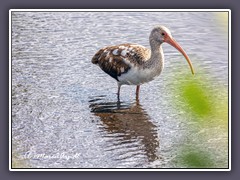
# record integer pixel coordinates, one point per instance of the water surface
(65, 112)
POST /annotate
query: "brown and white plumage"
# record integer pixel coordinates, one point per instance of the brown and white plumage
(133, 64)
(117, 60)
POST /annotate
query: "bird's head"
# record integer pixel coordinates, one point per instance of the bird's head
(161, 34)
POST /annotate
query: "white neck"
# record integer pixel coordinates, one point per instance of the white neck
(156, 61)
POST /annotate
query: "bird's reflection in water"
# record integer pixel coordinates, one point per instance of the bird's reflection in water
(128, 122)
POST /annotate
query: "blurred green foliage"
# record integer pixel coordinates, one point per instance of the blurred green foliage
(205, 106)
(197, 158)
(198, 99)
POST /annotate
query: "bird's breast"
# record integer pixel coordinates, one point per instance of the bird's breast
(138, 76)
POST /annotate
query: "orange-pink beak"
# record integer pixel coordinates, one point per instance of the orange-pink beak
(174, 43)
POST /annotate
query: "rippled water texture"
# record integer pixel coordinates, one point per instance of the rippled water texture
(65, 112)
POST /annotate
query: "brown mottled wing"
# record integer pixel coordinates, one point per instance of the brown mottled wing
(137, 54)
(116, 60)
(109, 63)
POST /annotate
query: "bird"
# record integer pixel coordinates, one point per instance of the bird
(134, 64)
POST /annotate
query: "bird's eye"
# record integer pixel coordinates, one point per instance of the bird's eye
(163, 34)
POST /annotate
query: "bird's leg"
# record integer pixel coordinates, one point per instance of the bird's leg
(137, 91)
(118, 93)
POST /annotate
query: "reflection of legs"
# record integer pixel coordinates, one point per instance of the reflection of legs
(137, 91)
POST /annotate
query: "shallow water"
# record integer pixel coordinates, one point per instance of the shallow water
(65, 112)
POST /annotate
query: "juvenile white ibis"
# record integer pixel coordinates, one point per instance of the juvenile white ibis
(133, 64)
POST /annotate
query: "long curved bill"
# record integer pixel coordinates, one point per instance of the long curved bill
(174, 43)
